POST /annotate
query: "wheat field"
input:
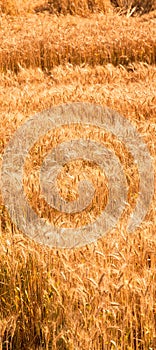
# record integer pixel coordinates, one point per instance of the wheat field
(101, 296)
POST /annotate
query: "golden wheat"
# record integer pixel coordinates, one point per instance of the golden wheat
(76, 7)
(48, 41)
(134, 6)
(102, 296)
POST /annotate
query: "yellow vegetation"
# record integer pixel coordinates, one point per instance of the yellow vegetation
(46, 41)
(102, 296)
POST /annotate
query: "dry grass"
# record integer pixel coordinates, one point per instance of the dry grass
(102, 296)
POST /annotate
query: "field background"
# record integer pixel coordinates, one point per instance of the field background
(102, 296)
